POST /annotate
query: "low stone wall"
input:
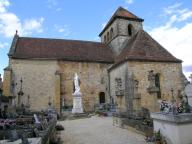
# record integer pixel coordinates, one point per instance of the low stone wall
(135, 124)
(177, 129)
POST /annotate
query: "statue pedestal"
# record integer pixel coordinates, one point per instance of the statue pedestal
(77, 104)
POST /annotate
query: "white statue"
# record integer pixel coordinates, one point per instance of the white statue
(36, 119)
(76, 85)
(77, 96)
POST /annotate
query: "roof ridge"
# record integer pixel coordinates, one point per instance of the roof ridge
(134, 37)
(61, 39)
(121, 8)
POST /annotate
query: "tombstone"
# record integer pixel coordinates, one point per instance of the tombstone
(188, 93)
(36, 119)
(13, 135)
(24, 138)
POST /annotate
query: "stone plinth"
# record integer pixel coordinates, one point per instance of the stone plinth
(176, 128)
(77, 104)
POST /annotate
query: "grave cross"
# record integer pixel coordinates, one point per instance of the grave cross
(190, 77)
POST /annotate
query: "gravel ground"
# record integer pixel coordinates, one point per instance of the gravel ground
(97, 130)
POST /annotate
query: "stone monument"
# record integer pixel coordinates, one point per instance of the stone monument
(77, 96)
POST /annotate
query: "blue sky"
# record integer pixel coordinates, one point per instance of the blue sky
(167, 21)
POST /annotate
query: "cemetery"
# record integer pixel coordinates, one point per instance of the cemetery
(24, 126)
(127, 83)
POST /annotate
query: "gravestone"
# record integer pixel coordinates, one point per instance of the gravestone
(13, 135)
(36, 119)
(188, 92)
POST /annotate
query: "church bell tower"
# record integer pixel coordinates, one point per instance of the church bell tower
(121, 27)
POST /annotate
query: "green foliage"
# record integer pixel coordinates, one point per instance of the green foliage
(159, 139)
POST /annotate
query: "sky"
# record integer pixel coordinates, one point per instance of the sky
(167, 21)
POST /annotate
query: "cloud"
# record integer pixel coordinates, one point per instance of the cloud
(129, 1)
(9, 22)
(171, 9)
(33, 25)
(3, 5)
(3, 44)
(53, 4)
(65, 30)
(175, 35)
(58, 9)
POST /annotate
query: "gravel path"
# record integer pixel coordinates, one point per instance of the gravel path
(97, 130)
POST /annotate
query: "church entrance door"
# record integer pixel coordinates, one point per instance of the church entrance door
(101, 97)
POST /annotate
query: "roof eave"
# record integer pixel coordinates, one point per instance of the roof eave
(142, 60)
(64, 59)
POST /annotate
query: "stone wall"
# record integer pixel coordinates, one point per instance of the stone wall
(170, 77)
(120, 33)
(7, 83)
(118, 73)
(92, 82)
(123, 26)
(38, 81)
(51, 80)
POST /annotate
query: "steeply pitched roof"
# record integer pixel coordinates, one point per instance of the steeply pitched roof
(124, 14)
(142, 47)
(72, 50)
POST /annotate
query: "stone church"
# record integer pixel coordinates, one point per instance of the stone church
(127, 68)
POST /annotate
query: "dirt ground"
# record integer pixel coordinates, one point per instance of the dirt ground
(97, 130)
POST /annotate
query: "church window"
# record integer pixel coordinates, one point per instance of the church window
(105, 39)
(107, 36)
(130, 30)
(111, 33)
(157, 84)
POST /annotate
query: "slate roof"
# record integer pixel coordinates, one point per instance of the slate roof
(123, 14)
(72, 50)
(142, 47)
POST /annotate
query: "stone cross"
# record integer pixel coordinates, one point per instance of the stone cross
(190, 77)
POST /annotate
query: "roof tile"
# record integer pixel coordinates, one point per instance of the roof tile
(143, 47)
(73, 50)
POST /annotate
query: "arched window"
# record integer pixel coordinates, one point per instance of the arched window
(130, 30)
(111, 33)
(107, 36)
(105, 39)
(157, 84)
(101, 97)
